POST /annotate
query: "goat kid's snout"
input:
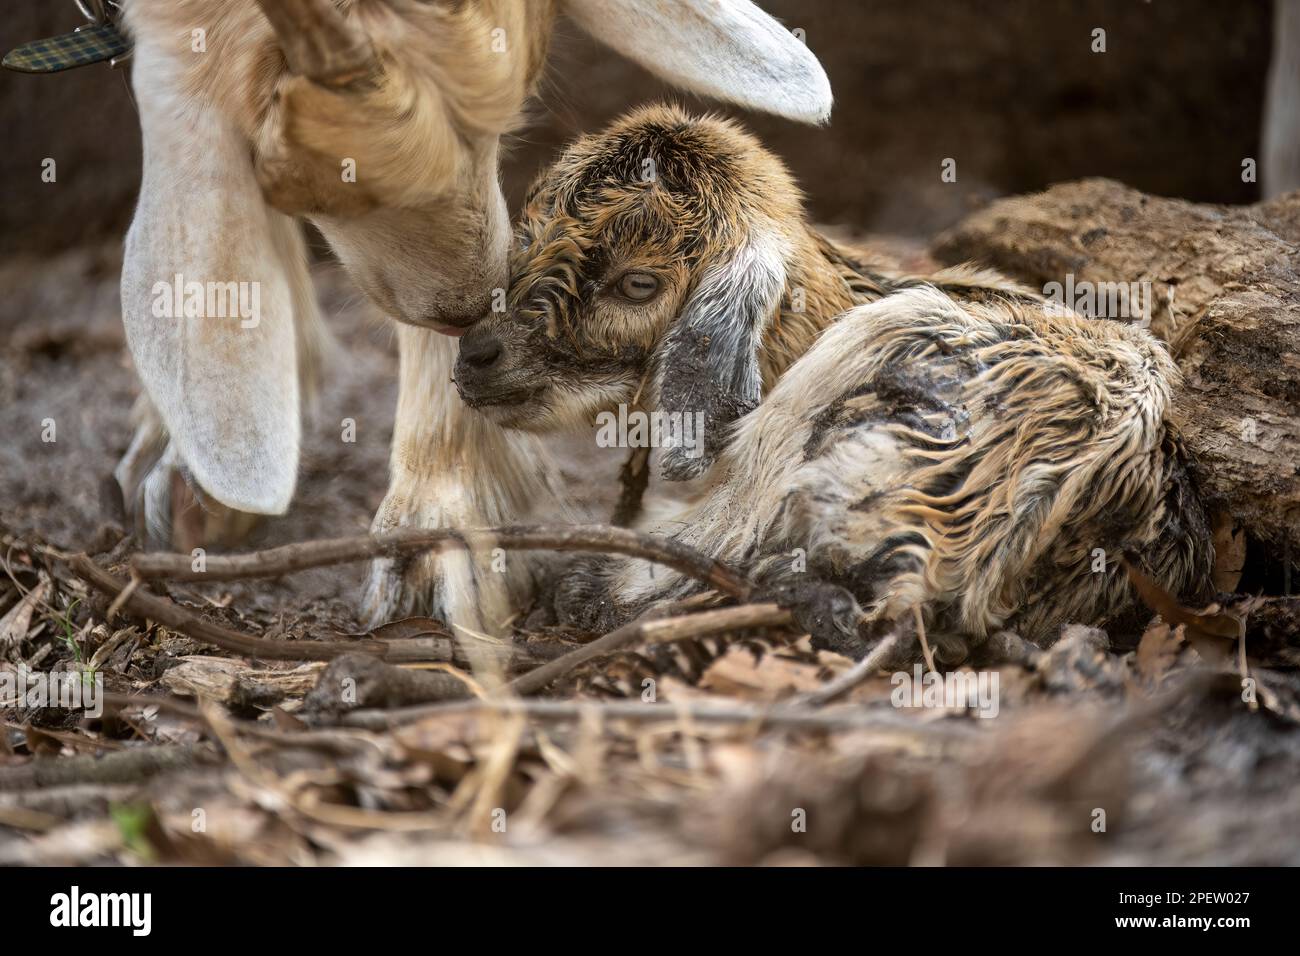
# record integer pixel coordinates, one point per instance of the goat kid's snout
(480, 353)
(487, 374)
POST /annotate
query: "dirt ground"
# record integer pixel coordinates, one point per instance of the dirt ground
(704, 750)
(64, 358)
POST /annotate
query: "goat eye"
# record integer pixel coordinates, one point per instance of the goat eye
(638, 286)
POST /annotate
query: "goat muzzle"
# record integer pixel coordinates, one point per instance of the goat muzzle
(484, 374)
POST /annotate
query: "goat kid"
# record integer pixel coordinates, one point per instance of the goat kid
(378, 120)
(946, 443)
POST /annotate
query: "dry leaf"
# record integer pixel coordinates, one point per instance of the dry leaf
(1210, 623)
(737, 674)
(1158, 651)
(1229, 552)
(14, 625)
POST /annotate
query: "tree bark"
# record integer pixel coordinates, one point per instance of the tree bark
(1225, 296)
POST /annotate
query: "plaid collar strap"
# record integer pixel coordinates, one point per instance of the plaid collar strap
(92, 43)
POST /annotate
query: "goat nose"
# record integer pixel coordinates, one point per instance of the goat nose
(480, 352)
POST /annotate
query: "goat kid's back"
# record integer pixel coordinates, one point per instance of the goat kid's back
(984, 462)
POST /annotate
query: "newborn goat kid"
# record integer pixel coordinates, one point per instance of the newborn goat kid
(941, 443)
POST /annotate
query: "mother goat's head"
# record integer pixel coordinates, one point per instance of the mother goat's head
(379, 120)
(384, 131)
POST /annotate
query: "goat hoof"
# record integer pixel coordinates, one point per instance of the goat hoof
(456, 588)
(951, 650)
(477, 593)
(169, 511)
(829, 613)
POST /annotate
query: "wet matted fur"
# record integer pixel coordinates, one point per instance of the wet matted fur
(945, 442)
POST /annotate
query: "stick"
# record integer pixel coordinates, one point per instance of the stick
(633, 478)
(670, 629)
(730, 713)
(122, 766)
(852, 677)
(408, 542)
(177, 618)
(920, 633)
(118, 702)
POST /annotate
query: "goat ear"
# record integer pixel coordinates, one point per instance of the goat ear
(223, 373)
(707, 369)
(728, 49)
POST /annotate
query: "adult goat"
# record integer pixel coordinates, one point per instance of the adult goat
(378, 120)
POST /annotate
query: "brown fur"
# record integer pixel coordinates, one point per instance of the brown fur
(440, 85)
(379, 120)
(940, 442)
(590, 219)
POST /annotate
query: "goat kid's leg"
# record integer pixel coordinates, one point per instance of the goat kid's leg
(451, 468)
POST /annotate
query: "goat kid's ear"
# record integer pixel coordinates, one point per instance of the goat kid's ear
(707, 369)
(728, 49)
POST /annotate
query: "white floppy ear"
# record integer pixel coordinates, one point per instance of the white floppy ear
(208, 295)
(728, 49)
(707, 370)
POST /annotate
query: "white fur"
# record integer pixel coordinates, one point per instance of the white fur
(226, 400)
(227, 394)
(729, 311)
(452, 468)
(729, 49)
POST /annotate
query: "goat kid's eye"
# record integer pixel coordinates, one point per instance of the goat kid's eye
(638, 286)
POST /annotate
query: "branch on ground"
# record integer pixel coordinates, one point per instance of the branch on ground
(406, 543)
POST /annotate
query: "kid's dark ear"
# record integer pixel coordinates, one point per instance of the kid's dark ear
(707, 369)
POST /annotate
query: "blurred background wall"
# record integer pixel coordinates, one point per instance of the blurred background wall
(1010, 89)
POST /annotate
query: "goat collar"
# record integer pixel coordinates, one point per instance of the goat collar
(94, 42)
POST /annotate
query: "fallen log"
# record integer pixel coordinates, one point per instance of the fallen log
(1224, 286)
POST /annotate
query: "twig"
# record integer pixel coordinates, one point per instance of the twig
(122, 766)
(920, 635)
(655, 629)
(118, 702)
(852, 677)
(176, 617)
(118, 602)
(729, 713)
(408, 542)
(633, 478)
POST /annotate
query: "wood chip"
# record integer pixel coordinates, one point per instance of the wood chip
(14, 625)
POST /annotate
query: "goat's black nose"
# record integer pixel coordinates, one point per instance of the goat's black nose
(480, 352)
